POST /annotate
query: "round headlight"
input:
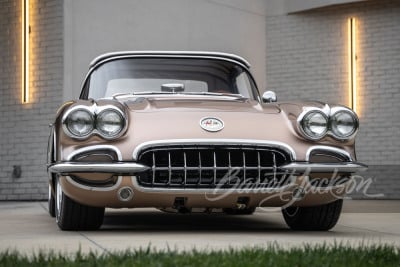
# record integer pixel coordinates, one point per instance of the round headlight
(343, 124)
(110, 123)
(79, 123)
(315, 124)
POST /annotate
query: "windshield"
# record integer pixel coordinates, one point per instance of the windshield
(169, 76)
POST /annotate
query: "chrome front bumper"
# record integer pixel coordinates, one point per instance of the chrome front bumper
(130, 168)
(120, 168)
(341, 167)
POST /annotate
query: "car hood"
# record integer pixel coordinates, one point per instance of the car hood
(177, 118)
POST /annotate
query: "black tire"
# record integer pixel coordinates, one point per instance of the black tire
(51, 203)
(246, 211)
(71, 215)
(317, 218)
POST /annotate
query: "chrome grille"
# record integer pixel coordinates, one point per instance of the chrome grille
(212, 166)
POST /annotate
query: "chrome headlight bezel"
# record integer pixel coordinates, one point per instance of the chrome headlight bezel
(95, 111)
(334, 132)
(122, 121)
(67, 128)
(329, 114)
(306, 132)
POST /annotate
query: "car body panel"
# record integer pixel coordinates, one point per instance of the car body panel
(163, 120)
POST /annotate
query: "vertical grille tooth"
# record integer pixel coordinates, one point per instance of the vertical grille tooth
(229, 167)
(244, 165)
(209, 166)
(258, 167)
(154, 167)
(200, 168)
(274, 167)
(215, 168)
(185, 168)
(169, 168)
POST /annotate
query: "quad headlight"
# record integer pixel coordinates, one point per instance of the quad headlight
(314, 125)
(341, 123)
(110, 123)
(81, 122)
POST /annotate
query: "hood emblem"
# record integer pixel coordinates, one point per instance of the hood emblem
(211, 124)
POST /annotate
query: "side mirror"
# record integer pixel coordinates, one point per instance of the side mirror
(269, 97)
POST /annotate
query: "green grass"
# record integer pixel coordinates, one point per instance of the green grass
(307, 256)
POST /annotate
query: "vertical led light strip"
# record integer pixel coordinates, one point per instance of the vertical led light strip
(25, 51)
(352, 64)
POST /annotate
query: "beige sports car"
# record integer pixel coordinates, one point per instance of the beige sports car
(189, 132)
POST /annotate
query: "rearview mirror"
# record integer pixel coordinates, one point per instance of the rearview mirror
(173, 87)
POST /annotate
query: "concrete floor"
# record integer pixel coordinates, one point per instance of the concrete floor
(27, 228)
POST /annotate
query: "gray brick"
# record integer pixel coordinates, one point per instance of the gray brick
(24, 127)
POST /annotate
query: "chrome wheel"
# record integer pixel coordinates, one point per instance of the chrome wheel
(49, 195)
(51, 203)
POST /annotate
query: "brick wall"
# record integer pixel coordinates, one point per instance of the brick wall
(307, 59)
(24, 127)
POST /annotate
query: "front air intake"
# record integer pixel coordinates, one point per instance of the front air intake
(211, 166)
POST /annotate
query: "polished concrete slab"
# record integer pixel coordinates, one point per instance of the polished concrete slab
(27, 228)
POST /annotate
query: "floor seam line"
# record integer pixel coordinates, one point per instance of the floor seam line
(41, 204)
(95, 243)
(369, 230)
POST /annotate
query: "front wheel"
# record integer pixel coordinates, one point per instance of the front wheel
(71, 215)
(317, 218)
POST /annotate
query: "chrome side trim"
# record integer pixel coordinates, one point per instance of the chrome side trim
(339, 151)
(305, 168)
(249, 142)
(125, 168)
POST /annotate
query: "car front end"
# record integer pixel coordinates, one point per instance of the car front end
(190, 149)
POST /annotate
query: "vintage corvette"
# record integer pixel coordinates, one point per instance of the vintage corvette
(189, 131)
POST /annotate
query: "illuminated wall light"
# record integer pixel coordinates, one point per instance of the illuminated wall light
(352, 64)
(25, 51)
